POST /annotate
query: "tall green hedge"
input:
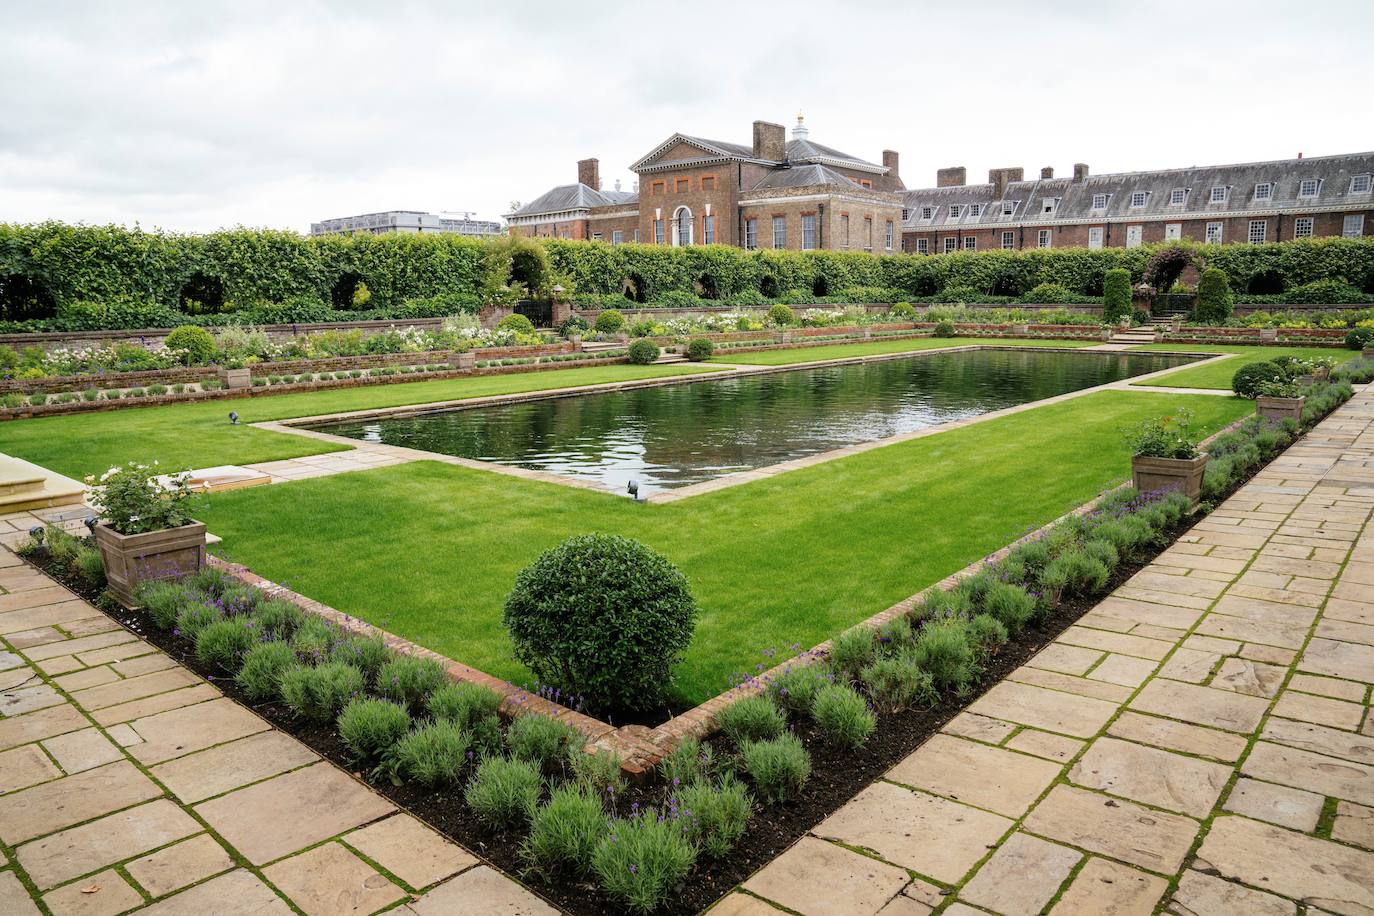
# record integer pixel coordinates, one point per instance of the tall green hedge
(129, 272)
(1116, 294)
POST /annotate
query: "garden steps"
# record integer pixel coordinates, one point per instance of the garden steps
(1219, 763)
(24, 486)
(1133, 336)
(127, 778)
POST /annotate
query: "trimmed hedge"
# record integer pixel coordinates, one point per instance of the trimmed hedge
(55, 276)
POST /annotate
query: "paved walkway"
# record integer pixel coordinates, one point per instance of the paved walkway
(1201, 742)
(129, 783)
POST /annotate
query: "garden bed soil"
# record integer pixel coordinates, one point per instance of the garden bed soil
(837, 775)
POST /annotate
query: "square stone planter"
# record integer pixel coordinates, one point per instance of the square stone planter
(1280, 408)
(466, 360)
(236, 378)
(1367, 353)
(1154, 475)
(133, 558)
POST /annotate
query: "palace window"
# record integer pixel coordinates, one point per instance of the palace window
(751, 234)
(1359, 184)
(1008, 239)
(1353, 226)
(708, 183)
(923, 246)
(927, 213)
(1302, 227)
(636, 236)
(1008, 207)
(844, 229)
(1099, 201)
(956, 211)
(658, 187)
(683, 227)
(888, 243)
(868, 233)
(1094, 236)
(1138, 198)
(906, 214)
(1264, 190)
(1045, 239)
(1213, 236)
(683, 185)
(970, 243)
(617, 236)
(1259, 228)
(808, 232)
(708, 230)
(1049, 205)
(975, 210)
(658, 232)
(951, 244)
(1178, 197)
(779, 232)
(1309, 187)
(1219, 194)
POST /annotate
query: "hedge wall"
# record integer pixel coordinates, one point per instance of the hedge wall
(109, 275)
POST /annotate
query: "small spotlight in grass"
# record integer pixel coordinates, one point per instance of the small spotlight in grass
(233, 418)
(37, 532)
(633, 487)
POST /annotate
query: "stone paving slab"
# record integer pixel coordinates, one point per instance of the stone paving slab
(127, 783)
(1203, 738)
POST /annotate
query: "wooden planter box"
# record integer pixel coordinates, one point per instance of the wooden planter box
(236, 378)
(1280, 408)
(1153, 475)
(132, 558)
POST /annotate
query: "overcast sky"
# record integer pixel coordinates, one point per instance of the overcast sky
(198, 115)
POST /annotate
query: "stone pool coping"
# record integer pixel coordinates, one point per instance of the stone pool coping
(295, 425)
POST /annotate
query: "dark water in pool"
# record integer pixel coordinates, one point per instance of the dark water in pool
(681, 434)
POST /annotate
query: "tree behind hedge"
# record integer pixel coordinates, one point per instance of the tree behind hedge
(1213, 297)
(1116, 295)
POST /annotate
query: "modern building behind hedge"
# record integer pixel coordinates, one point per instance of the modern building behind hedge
(1251, 203)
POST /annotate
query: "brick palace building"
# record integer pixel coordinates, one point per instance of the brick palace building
(797, 194)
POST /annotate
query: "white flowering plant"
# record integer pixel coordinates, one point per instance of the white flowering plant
(138, 498)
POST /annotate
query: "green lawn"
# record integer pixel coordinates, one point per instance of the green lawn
(876, 348)
(1218, 374)
(429, 550)
(199, 435)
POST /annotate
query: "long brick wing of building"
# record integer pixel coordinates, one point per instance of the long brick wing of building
(798, 194)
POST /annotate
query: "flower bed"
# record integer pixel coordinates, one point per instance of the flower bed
(1311, 337)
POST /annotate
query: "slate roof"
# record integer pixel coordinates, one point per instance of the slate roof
(801, 176)
(806, 151)
(1075, 200)
(576, 196)
(802, 151)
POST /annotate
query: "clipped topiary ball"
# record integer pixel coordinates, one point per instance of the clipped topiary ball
(700, 349)
(609, 322)
(781, 316)
(518, 323)
(603, 617)
(1248, 379)
(642, 352)
(195, 343)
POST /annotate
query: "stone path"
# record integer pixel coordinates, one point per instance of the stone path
(1199, 743)
(128, 783)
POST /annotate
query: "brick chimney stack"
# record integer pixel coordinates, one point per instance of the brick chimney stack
(1000, 178)
(890, 161)
(1080, 172)
(953, 177)
(1047, 172)
(770, 141)
(589, 173)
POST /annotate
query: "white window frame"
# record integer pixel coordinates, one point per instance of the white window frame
(1009, 207)
(927, 213)
(1178, 197)
(1263, 226)
(1100, 201)
(596, 236)
(923, 246)
(1315, 186)
(779, 231)
(975, 210)
(1049, 205)
(751, 233)
(1095, 234)
(1219, 194)
(1352, 226)
(683, 217)
(658, 232)
(956, 211)
(1268, 188)
(1045, 239)
(708, 229)
(888, 230)
(1008, 239)
(1135, 236)
(1173, 232)
(951, 244)
(1213, 233)
(808, 227)
(906, 214)
(617, 236)
(970, 243)
(1302, 227)
(1139, 199)
(1361, 184)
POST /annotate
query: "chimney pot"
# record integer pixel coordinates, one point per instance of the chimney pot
(1047, 172)
(589, 173)
(1080, 172)
(1000, 178)
(952, 177)
(770, 141)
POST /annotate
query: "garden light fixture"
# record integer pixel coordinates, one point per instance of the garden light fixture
(233, 418)
(633, 487)
(36, 532)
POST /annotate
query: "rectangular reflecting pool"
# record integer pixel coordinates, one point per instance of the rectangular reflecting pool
(674, 435)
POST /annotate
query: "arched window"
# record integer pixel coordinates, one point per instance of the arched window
(682, 226)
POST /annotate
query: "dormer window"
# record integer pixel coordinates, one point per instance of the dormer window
(1178, 197)
(927, 213)
(1264, 190)
(1138, 198)
(1099, 201)
(1008, 207)
(905, 214)
(1309, 187)
(975, 210)
(1359, 184)
(1219, 194)
(1049, 204)
(956, 211)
